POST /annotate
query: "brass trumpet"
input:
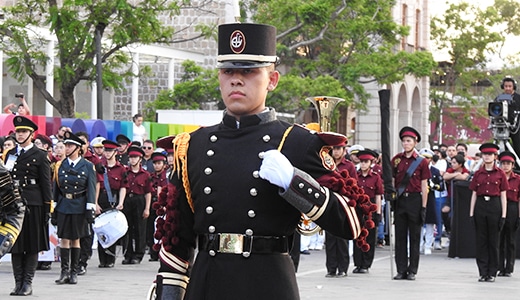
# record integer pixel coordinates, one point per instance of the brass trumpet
(324, 107)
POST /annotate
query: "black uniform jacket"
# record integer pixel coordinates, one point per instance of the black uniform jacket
(229, 197)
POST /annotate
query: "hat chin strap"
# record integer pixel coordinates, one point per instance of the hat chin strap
(27, 138)
(67, 155)
(138, 162)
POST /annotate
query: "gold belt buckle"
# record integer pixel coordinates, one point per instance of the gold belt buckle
(487, 198)
(231, 243)
(68, 196)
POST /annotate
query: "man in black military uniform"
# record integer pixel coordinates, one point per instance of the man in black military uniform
(124, 143)
(30, 169)
(239, 187)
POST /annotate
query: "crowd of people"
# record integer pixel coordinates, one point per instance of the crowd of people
(69, 179)
(237, 191)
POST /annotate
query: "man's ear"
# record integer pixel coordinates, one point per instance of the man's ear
(274, 77)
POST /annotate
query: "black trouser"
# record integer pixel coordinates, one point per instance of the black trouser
(295, 250)
(408, 224)
(136, 234)
(487, 216)
(507, 250)
(150, 231)
(336, 250)
(86, 247)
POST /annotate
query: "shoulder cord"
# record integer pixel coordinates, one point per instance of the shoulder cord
(285, 134)
(180, 163)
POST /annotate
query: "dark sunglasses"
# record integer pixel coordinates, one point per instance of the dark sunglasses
(148, 148)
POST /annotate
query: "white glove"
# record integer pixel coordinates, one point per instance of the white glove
(276, 169)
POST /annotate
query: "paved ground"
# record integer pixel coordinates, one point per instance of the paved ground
(439, 277)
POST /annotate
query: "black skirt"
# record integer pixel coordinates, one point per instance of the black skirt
(72, 226)
(34, 236)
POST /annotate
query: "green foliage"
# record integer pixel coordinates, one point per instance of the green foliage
(75, 24)
(352, 42)
(469, 34)
(198, 85)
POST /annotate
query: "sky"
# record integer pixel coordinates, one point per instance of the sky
(437, 8)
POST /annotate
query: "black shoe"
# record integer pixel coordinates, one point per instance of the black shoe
(45, 267)
(501, 274)
(26, 290)
(482, 279)
(135, 261)
(109, 265)
(126, 261)
(490, 278)
(330, 275)
(342, 274)
(507, 274)
(153, 259)
(410, 276)
(362, 270)
(400, 276)
(356, 270)
(82, 270)
(305, 252)
(102, 266)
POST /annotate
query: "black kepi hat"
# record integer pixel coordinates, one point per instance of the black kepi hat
(158, 156)
(135, 151)
(507, 156)
(367, 154)
(71, 138)
(242, 46)
(489, 148)
(110, 145)
(20, 122)
(122, 139)
(411, 132)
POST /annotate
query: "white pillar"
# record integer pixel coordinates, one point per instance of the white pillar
(49, 77)
(171, 73)
(93, 100)
(135, 83)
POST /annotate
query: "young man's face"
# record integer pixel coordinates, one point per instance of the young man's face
(408, 143)
(338, 152)
(22, 135)
(158, 166)
(488, 157)
(506, 166)
(508, 87)
(452, 151)
(244, 90)
(148, 149)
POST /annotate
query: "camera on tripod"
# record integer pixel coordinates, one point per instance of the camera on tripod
(503, 121)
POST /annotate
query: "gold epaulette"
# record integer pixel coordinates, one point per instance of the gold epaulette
(180, 162)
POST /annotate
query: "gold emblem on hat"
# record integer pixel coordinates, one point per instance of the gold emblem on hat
(237, 42)
(18, 119)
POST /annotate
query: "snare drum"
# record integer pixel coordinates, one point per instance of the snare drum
(109, 227)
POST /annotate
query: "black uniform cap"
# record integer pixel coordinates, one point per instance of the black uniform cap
(122, 139)
(135, 151)
(411, 132)
(242, 46)
(20, 122)
(489, 148)
(158, 156)
(71, 138)
(110, 145)
(507, 156)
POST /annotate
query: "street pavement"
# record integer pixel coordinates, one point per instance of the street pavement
(439, 277)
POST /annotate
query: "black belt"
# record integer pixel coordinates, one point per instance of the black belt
(71, 196)
(235, 243)
(406, 195)
(488, 198)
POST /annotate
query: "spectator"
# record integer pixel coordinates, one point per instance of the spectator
(22, 108)
(139, 130)
(59, 135)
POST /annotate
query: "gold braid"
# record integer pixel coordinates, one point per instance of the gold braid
(180, 163)
(285, 134)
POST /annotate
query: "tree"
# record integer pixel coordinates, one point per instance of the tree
(354, 42)
(469, 34)
(74, 23)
